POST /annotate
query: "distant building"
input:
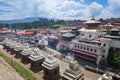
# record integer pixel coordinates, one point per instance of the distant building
(92, 31)
(64, 44)
(115, 38)
(91, 50)
(52, 41)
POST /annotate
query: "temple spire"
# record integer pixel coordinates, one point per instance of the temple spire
(93, 17)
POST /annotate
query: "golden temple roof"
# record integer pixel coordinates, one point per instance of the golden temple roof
(92, 21)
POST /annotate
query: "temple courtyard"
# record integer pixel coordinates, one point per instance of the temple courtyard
(6, 71)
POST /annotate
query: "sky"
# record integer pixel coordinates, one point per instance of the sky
(59, 9)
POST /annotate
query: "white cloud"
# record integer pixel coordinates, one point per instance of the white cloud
(112, 10)
(61, 9)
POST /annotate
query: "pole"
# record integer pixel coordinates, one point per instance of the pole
(97, 71)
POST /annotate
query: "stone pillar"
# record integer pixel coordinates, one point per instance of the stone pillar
(73, 72)
(51, 68)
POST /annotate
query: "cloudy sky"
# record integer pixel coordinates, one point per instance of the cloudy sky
(59, 9)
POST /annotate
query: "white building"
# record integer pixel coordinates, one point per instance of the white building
(90, 34)
(89, 46)
(115, 38)
(91, 49)
(93, 30)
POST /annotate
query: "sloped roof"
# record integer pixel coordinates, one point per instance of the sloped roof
(92, 21)
(87, 30)
(68, 35)
(114, 29)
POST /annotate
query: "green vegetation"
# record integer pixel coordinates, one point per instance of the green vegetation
(23, 72)
(114, 58)
(110, 58)
(117, 59)
(42, 23)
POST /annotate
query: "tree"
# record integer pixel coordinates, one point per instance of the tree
(101, 20)
(110, 57)
(117, 59)
(117, 62)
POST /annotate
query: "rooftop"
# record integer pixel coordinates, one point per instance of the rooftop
(87, 30)
(68, 35)
(111, 36)
(92, 21)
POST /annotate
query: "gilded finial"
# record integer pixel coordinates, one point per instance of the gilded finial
(93, 17)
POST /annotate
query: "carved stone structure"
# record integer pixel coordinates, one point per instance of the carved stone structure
(106, 76)
(7, 47)
(12, 45)
(73, 72)
(36, 60)
(51, 68)
(25, 54)
(5, 42)
(18, 49)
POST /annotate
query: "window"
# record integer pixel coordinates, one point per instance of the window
(89, 36)
(91, 50)
(95, 50)
(55, 72)
(84, 48)
(82, 34)
(104, 45)
(103, 56)
(81, 47)
(87, 48)
(75, 46)
(104, 51)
